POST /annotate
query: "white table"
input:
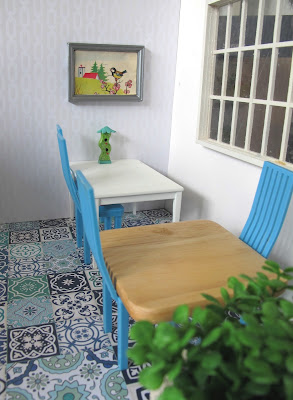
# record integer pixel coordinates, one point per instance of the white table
(129, 181)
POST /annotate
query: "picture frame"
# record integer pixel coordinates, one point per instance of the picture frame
(105, 72)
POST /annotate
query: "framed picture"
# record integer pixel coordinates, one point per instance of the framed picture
(105, 72)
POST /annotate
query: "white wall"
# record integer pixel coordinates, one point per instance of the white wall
(217, 187)
(33, 81)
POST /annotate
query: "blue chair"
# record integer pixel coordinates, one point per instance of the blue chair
(269, 208)
(106, 212)
(89, 214)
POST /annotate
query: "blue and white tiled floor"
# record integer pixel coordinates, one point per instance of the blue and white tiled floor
(52, 342)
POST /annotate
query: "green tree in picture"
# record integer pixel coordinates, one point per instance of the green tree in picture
(102, 73)
(94, 67)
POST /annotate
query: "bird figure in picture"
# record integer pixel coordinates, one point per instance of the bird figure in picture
(117, 74)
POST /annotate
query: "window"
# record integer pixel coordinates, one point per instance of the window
(247, 97)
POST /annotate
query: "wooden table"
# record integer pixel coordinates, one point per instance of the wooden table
(129, 181)
(155, 268)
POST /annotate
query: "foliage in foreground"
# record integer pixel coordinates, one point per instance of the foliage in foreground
(232, 359)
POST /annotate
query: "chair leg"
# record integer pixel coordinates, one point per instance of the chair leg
(107, 223)
(123, 321)
(86, 250)
(79, 227)
(107, 309)
(117, 222)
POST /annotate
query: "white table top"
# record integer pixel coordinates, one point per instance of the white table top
(124, 178)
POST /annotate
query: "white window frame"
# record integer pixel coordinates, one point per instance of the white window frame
(208, 83)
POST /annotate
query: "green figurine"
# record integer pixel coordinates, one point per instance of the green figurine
(104, 145)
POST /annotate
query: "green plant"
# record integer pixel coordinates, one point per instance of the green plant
(233, 359)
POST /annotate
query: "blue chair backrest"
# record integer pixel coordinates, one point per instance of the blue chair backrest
(269, 208)
(66, 168)
(89, 216)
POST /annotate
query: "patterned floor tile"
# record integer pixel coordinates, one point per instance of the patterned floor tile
(68, 282)
(4, 238)
(3, 290)
(4, 227)
(24, 226)
(31, 236)
(21, 267)
(99, 299)
(32, 342)
(27, 312)
(86, 375)
(3, 262)
(25, 250)
(74, 306)
(59, 248)
(55, 233)
(66, 264)
(82, 334)
(2, 382)
(27, 287)
(49, 223)
(3, 345)
(137, 221)
(73, 232)
(3, 313)
(95, 279)
(159, 213)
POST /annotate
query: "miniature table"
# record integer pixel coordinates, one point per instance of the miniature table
(129, 181)
(156, 268)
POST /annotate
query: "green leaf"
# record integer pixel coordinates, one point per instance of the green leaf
(289, 363)
(142, 332)
(181, 315)
(165, 334)
(274, 266)
(270, 309)
(151, 378)
(211, 360)
(288, 269)
(188, 335)
(256, 389)
(288, 383)
(278, 345)
(287, 308)
(175, 370)
(210, 298)
(172, 393)
(257, 366)
(199, 315)
(248, 339)
(225, 295)
(246, 277)
(212, 337)
(138, 354)
(262, 276)
(273, 357)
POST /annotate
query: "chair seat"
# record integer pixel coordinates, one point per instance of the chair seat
(111, 210)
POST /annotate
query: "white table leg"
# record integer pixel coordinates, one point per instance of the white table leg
(177, 206)
(71, 208)
(134, 208)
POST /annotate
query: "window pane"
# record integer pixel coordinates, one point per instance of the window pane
(246, 73)
(289, 156)
(269, 21)
(276, 131)
(222, 27)
(241, 125)
(287, 21)
(235, 27)
(257, 128)
(283, 73)
(263, 74)
(218, 74)
(251, 22)
(227, 122)
(215, 119)
(231, 74)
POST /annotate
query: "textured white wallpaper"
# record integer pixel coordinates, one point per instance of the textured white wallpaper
(34, 90)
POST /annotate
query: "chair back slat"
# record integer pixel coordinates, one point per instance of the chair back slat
(90, 223)
(269, 208)
(66, 168)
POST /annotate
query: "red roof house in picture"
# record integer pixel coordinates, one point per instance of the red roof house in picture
(91, 75)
